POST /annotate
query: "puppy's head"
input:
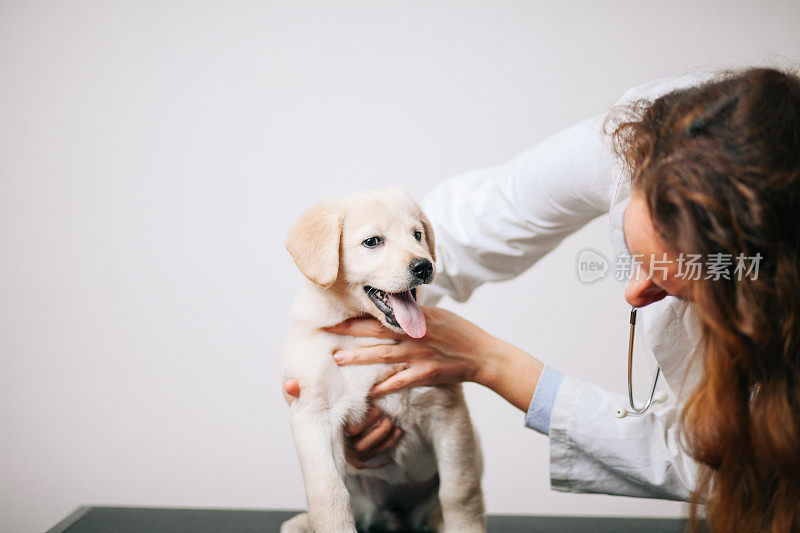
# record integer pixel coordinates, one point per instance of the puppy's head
(375, 248)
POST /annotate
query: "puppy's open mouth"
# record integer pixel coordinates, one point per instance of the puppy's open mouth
(401, 310)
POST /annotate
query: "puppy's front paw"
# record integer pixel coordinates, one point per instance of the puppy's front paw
(297, 524)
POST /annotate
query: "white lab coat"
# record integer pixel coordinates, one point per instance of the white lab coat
(493, 224)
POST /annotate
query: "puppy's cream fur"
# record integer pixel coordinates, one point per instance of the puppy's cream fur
(326, 244)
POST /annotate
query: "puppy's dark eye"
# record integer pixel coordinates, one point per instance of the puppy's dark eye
(418, 235)
(373, 242)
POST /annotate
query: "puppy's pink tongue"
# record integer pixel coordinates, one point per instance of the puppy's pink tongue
(408, 314)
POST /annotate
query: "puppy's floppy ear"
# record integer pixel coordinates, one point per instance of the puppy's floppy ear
(429, 236)
(313, 242)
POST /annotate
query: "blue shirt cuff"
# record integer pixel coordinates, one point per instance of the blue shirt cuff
(544, 397)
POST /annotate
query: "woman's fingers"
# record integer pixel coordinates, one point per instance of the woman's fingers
(389, 442)
(363, 327)
(383, 353)
(292, 387)
(372, 443)
(374, 436)
(409, 377)
(373, 415)
(291, 391)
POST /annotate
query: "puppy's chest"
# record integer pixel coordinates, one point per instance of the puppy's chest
(359, 377)
(339, 384)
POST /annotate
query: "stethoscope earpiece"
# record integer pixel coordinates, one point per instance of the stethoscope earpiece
(660, 397)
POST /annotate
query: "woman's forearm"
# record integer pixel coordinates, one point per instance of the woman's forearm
(509, 371)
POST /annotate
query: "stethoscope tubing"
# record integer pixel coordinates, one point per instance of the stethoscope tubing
(638, 411)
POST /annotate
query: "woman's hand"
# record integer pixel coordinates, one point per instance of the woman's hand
(372, 436)
(452, 351)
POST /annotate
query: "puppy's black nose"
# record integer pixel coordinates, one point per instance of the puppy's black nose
(422, 269)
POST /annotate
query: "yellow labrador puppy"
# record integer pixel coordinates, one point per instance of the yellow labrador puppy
(367, 254)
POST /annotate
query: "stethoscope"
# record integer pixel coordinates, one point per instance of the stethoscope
(622, 412)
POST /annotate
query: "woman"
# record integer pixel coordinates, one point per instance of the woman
(699, 166)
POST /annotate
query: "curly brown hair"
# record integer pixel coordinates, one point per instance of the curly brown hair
(719, 167)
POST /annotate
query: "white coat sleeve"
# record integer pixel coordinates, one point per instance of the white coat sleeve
(492, 224)
(591, 450)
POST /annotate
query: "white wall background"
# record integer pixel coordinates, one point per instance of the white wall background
(152, 156)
